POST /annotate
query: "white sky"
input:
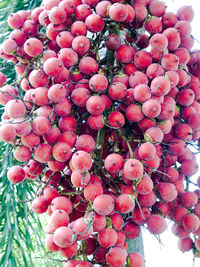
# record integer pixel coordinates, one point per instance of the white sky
(169, 255)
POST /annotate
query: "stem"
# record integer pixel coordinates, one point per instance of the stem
(83, 249)
(111, 179)
(110, 59)
(98, 152)
(99, 40)
(71, 193)
(187, 183)
(121, 134)
(137, 140)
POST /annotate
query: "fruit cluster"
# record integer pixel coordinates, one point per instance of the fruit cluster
(103, 114)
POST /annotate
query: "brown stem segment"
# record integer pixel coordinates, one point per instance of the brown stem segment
(98, 152)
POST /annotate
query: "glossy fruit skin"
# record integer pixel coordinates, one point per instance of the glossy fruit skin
(191, 223)
(133, 169)
(116, 119)
(61, 203)
(86, 143)
(151, 108)
(125, 53)
(124, 203)
(33, 47)
(95, 105)
(118, 12)
(5, 97)
(15, 109)
(94, 23)
(16, 174)
(136, 259)
(98, 83)
(167, 191)
(113, 163)
(131, 230)
(156, 224)
(107, 237)
(69, 251)
(63, 236)
(81, 161)
(40, 205)
(88, 65)
(92, 190)
(104, 123)
(7, 133)
(134, 113)
(103, 204)
(116, 256)
(185, 244)
(113, 42)
(117, 91)
(145, 186)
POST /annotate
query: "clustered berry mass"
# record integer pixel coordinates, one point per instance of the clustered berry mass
(104, 114)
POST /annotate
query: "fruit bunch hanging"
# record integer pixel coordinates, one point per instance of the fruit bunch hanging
(104, 114)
